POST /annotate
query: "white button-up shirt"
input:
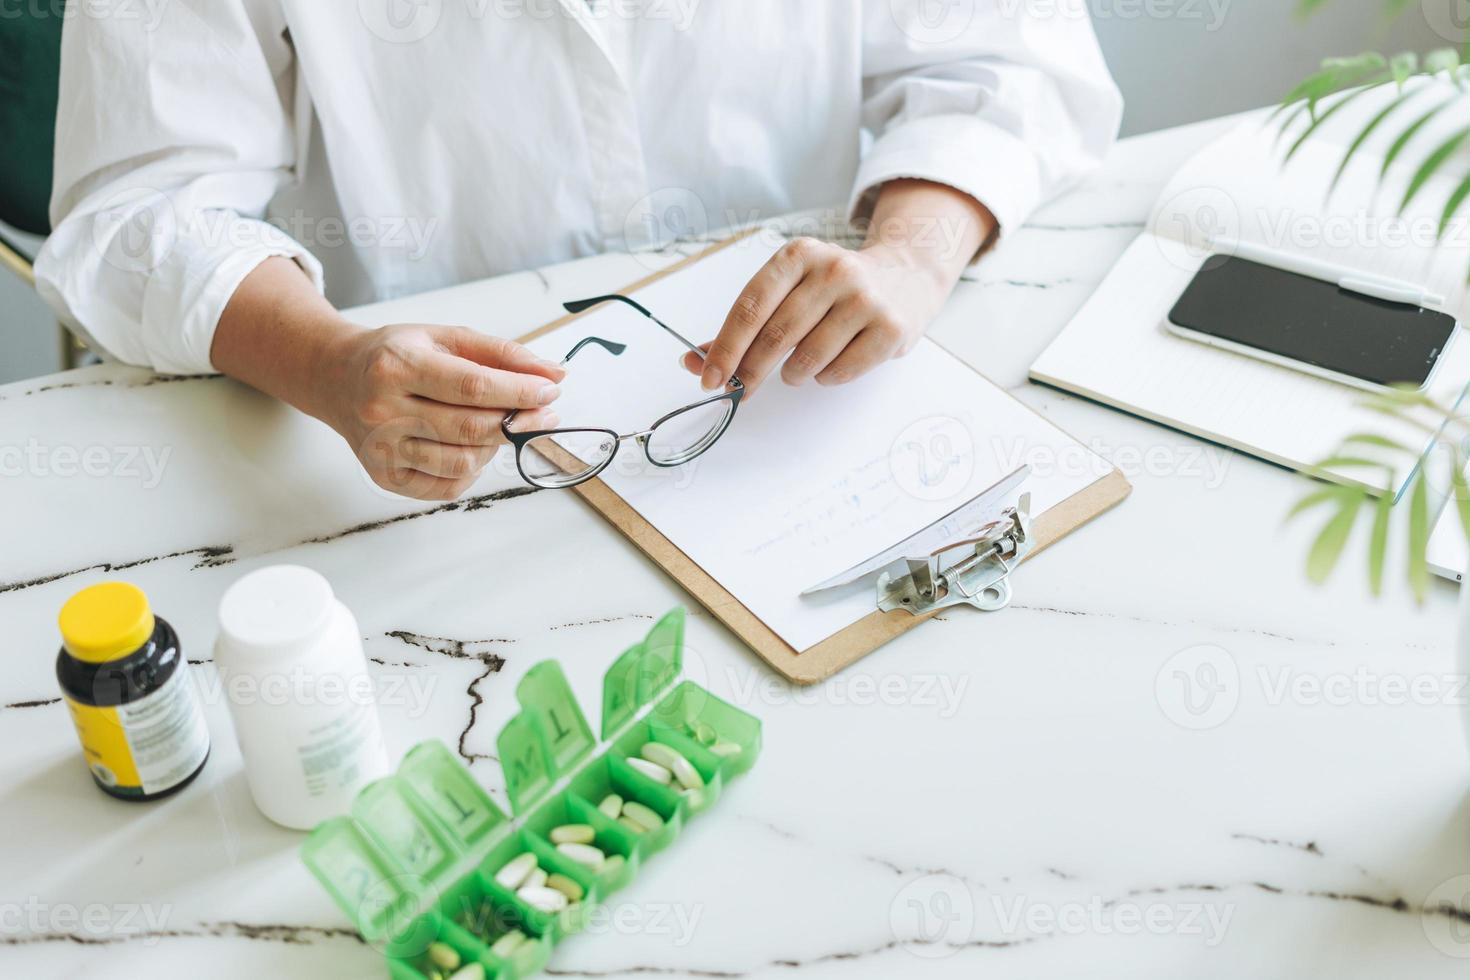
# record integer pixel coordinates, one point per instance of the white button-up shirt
(395, 146)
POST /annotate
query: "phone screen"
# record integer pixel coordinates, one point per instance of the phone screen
(1314, 322)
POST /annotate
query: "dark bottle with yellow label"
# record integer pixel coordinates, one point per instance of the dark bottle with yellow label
(127, 685)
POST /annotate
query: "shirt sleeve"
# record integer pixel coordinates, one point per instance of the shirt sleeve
(1007, 100)
(172, 138)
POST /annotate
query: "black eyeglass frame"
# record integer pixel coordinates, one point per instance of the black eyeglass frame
(734, 393)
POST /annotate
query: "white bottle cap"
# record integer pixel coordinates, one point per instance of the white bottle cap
(277, 611)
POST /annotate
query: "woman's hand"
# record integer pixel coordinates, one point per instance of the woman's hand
(422, 406)
(832, 314)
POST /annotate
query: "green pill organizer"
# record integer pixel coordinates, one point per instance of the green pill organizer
(415, 862)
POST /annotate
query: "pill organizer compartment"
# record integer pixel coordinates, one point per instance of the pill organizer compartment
(707, 765)
(612, 839)
(612, 774)
(529, 959)
(422, 847)
(478, 912)
(719, 727)
(558, 925)
(418, 967)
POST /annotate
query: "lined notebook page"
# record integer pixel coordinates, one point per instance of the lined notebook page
(808, 481)
(1118, 351)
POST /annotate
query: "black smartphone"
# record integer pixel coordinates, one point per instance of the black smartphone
(1311, 325)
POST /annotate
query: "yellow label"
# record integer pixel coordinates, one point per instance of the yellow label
(105, 743)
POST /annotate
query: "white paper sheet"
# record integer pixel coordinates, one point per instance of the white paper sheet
(808, 481)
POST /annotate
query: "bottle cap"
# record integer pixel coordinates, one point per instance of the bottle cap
(105, 622)
(275, 611)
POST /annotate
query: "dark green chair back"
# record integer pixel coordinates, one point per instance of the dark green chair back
(30, 66)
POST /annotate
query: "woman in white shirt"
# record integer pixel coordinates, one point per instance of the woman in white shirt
(229, 172)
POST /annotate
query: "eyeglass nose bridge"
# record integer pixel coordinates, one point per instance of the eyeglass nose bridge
(642, 437)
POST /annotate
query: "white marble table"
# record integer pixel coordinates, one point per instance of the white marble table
(1171, 757)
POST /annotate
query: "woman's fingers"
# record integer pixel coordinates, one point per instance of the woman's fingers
(878, 343)
(455, 380)
(418, 456)
(496, 352)
(760, 298)
(802, 309)
(840, 328)
(439, 459)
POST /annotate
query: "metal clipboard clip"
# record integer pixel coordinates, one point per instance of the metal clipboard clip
(967, 556)
(981, 576)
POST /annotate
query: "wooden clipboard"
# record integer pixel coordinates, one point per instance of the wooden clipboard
(850, 644)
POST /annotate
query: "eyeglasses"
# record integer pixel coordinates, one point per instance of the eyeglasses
(555, 459)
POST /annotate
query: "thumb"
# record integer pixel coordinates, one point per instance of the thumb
(496, 352)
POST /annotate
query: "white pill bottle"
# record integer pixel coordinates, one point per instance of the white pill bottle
(292, 668)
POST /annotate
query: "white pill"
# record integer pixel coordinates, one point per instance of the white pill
(683, 770)
(573, 833)
(535, 879)
(653, 771)
(583, 854)
(611, 806)
(513, 873)
(642, 816)
(725, 749)
(545, 899)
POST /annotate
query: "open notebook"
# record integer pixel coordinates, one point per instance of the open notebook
(1117, 350)
(807, 481)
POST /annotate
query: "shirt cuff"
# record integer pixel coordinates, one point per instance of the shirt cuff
(181, 315)
(964, 152)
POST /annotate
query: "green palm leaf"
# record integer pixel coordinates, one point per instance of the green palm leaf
(1408, 135)
(1368, 131)
(1462, 492)
(1374, 439)
(1336, 107)
(1419, 538)
(1431, 165)
(1378, 543)
(1452, 206)
(1328, 548)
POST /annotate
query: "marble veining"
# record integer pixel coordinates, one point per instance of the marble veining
(1031, 793)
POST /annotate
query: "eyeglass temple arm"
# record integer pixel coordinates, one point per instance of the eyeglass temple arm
(614, 349)
(582, 305)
